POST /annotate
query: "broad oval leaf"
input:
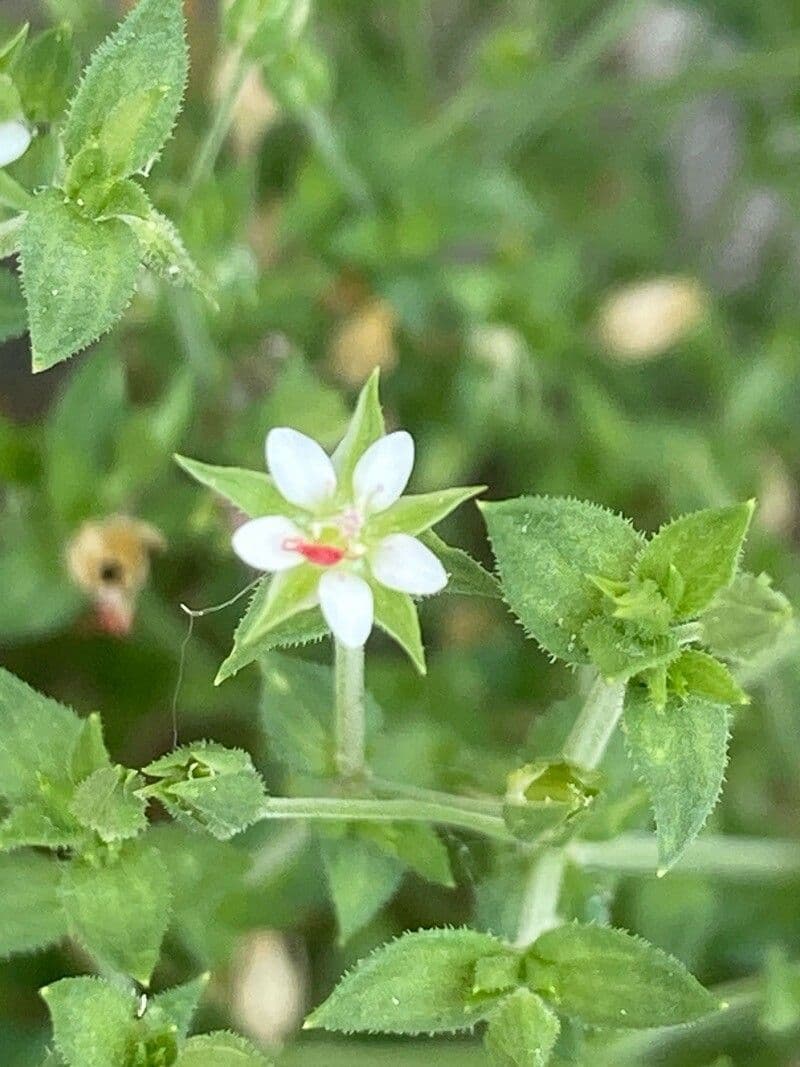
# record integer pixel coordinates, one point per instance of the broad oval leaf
(680, 752)
(422, 982)
(146, 52)
(93, 1021)
(522, 1032)
(546, 548)
(607, 977)
(78, 277)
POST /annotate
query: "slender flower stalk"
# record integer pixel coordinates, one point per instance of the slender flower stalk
(350, 722)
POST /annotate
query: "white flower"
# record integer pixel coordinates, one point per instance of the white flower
(329, 530)
(15, 137)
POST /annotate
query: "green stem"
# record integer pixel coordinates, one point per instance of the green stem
(715, 855)
(539, 909)
(327, 144)
(591, 733)
(389, 788)
(220, 124)
(346, 809)
(350, 725)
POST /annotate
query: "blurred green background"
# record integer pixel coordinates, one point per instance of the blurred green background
(570, 235)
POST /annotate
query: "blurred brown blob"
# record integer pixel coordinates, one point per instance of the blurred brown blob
(364, 340)
(268, 987)
(468, 623)
(777, 497)
(255, 109)
(641, 321)
(109, 560)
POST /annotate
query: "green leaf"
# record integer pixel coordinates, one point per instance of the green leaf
(118, 907)
(45, 74)
(543, 799)
(522, 1031)
(164, 252)
(11, 230)
(699, 673)
(212, 787)
(361, 879)
(396, 615)
(175, 1008)
(90, 753)
(746, 619)
(366, 426)
(106, 802)
(13, 316)
(704, 548)
(416, 845)
(93, 1021)
(607, 977)
(285, 596)
(296, 713)
(300, 629)
(497, 974)
(220, 1050)
(11, 47)
(414, 514)
(31, 916)
(619, 651)
(78, 277)
(546, 548)
(42, 824)
(422, 982)
(680, 753)
(147, 51)
(252, 492)
(119, 136)
(780, 1011)
(465, 575)
(300, 399)
(37, 734)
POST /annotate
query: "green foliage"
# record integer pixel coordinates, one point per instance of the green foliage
(78, 277)
(415, 514)
(220, 1050)
(465, 575)
(31, 916)
(544, 800)
(142, 68)
(606, 977)
(422, 982)
(364, 429)
(266, 30)
(107, 803)
(296, 713)
(680, 752)
(252, 492)
(118, 906)
(300, 629)
(545, 549)
(699, 673)
(704, 549)
(746, 619)
(780, 1010)
(361, 878)
(522, 1031)
(93, 1021)
(13, 320)
(620, 651)
(45, 72)
(396, 615)
(163, 250)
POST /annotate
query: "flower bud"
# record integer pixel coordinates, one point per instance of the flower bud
(109, 560)
(642, 320)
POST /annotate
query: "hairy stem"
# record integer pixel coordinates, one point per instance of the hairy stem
(346, 809)
(349, 718)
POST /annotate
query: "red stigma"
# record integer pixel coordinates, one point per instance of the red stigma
(322, 555)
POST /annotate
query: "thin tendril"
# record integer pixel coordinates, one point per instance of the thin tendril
(193, 614)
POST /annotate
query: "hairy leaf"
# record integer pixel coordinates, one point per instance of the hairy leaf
(607, 977)
(45, 74)
(164, 252)
(361, 879)
(31, 916)
(174, 1008)
(78, 277)
(396, 615)
(704, 548)
(546, 548)
(464, 574)
(220, 1050)
(252, 492)
(415, 844)
(699, 673)
(13, 316)
(680, 752)
(147, 51)
(93, 1021)
(106, 802)
(746, 619)
(119, 906)
(522, 1031)
(420, 982)
(619, 651)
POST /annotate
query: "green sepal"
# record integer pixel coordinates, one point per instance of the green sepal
(619, 651)
(545, 548)
(301, 629)
(701, 674)
(497, 974)
(465, 576)
(704, 549)
(365, 428)
(522, 1032)
(680, 753)
(396, 614)
(415, 514)
(165, 254)
(287, 594)
(543, 799)
(252, 492)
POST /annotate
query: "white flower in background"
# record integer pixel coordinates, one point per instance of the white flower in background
(327, 528)
(15, 138)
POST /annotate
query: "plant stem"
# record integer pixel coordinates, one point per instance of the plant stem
(538, 912)
(349, 725)
(388, 788)
(346, 809)
(327, 144)
(591, 733)
(220, 124)
(716, 855)
(585, 746)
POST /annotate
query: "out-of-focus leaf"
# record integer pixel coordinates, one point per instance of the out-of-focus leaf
(522, 1031)
(31, 916)
(361, 878)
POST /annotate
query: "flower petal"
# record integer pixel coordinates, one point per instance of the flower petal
(346, 602)
(382, 473)
(15, 137)
(261, 542)
(302, 470)
(402, 562)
